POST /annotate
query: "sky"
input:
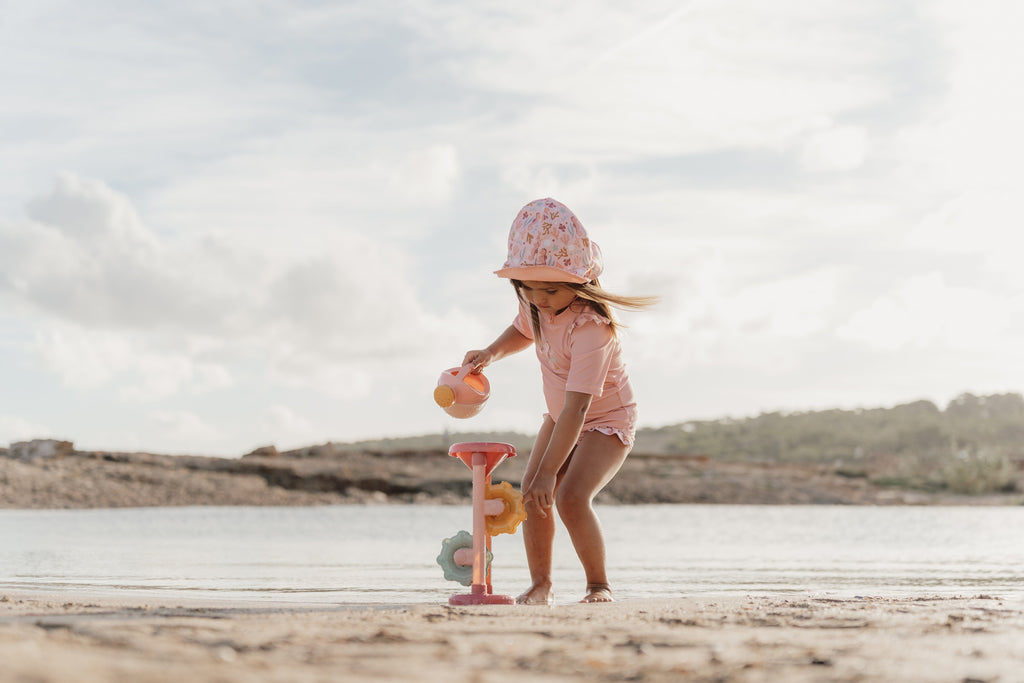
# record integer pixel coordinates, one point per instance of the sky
(227, 224)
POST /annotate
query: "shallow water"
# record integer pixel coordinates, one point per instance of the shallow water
(386, 553)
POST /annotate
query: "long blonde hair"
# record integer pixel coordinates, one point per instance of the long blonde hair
(597, 297)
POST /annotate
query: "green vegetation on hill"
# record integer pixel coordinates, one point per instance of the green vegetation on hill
(972, 446)
(969, 424)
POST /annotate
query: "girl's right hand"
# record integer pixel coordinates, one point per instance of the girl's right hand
(480, 359)
(540, 492)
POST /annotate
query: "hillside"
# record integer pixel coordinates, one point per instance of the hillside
(974, 445)
(968, 453)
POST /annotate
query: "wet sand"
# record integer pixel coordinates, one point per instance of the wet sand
(67, 636)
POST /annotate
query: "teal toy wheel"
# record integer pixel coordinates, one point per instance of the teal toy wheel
(463, 573)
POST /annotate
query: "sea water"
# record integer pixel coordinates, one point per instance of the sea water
(386, 554)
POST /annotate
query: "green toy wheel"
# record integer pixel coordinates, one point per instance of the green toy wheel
(453, 571)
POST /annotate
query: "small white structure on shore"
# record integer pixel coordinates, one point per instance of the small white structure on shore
(39, 449)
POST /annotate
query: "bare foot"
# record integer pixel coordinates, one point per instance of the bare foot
(538, 594)
(598, 592)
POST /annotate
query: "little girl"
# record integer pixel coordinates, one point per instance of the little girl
(591, 420)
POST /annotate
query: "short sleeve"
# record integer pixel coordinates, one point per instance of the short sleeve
(592, 348)
(523, 323)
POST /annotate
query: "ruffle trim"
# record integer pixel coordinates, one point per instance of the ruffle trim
(587, 317)
(624, 436)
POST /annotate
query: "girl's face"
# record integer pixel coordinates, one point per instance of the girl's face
(550, 297)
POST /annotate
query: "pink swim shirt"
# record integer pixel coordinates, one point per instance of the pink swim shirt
(578, 351)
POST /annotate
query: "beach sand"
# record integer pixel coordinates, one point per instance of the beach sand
(77, 637)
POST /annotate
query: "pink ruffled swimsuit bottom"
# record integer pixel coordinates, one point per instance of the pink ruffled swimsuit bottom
(620, 423)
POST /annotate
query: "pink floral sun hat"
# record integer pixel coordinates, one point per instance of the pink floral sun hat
(547, 243)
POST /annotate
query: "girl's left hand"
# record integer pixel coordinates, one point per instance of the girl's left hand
(541, 493)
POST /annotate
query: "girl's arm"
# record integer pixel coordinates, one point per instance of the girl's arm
(508, 342)
(539, 483)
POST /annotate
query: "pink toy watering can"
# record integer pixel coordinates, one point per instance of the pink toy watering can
(461, 392)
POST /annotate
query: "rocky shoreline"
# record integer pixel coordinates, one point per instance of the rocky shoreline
(331, 474)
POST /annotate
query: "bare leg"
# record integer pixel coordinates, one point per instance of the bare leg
(538, 531)
(596, 460)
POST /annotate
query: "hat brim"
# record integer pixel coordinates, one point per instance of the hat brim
(540, 274)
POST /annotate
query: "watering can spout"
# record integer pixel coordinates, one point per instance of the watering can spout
(444, 396)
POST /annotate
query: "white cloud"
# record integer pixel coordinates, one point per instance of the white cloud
(287, 426)
(291, 192)
(834, 148)
(90, 214)
(711, 314)
(788, 307)
(657, 79)
(925, 312)
(430, 175)
(343, 378)
(126, 309)
(540, 180)
(84, 255)
(180, 429)
(286, 419)
(965, 156)
(90, 359)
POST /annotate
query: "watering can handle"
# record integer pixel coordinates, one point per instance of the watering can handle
(465, 370)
